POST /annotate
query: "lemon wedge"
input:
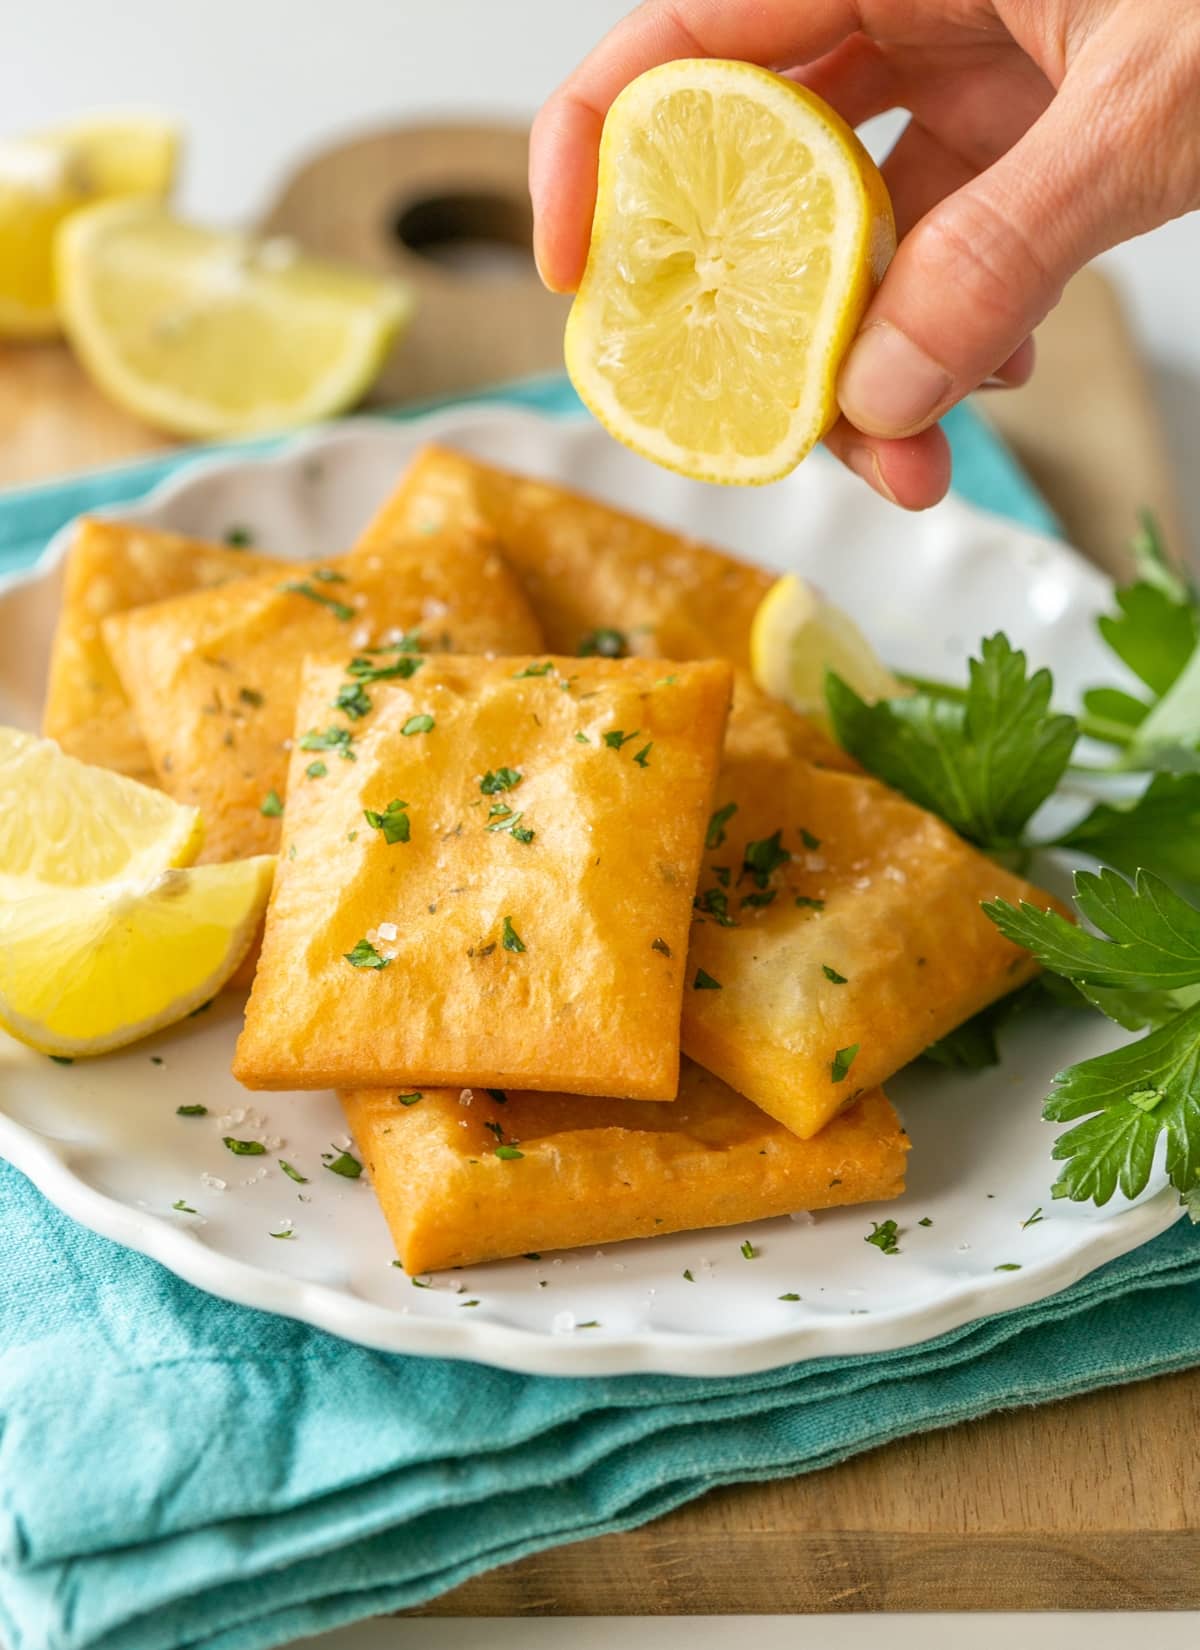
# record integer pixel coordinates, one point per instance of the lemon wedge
(740, 230)
(85, 970)
(49, 175)
(204, 333)
(798, 635)
(66, 824)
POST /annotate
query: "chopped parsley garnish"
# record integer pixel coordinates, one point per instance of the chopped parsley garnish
(715, 902)
(581, 738)
(510, 939)
(340, 740)
(1034, 1218)
(285, 1233)
(790, 1296)
(418, 724)
(393, 821)
(715, 834)
(661, 947)
(271, 806)
(301, 587)
(238, 538)
(316, 770)
(925, 1221)
(364, 955)
(615, 738)
(191, 1111)
(806, 903)
(1007, 1266)
(326, 575)
(292, 1172)
(184, 1208)
(348, 1167)
(705, 982)
(508, 1153)
(468, 1303)
(399, 670)
(642, 757)
(842, 1061)
(66, 1059)
(688, 1275)
(604, 643)
(508, 821)
(534, 670)
(157, 1060)
(496, 780)
(592, 1323)
(496, 1128)
(245, 1148)
(499, 1096)
(409, 1099)
(749, 1252)
(722, 874)
(763, 858)
(531, 1254)
(416, 1282)
(759, 902)
(251, 696)
(354, 700)
(810, 841)
(883, 1235)
(521, 832)
(832, 975)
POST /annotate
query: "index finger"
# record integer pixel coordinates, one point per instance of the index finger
(566, 134)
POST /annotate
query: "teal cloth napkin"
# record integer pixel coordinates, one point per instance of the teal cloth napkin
(178, 1473)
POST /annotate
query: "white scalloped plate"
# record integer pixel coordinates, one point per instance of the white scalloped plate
(103, 1142)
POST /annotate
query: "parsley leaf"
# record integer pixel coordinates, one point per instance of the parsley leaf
(364, 955)
(534, 670)
(409, 1099)
(832, 975)
(301, 587)
(603, 643)
(400, 670)
(716, 903)
(749, 1252)
(423, 723)
(184, 1208)
(245, 1148)
(270, 805)
(1159, 832)
(705, 982)
(972, 1045)
(393, 821)
(839, 1066)
(348, 1167)
(615, 738)
(292, 1172)
(1130, 1096)
(642, 757)
(340, 740)
(510, 939)
(883, 1235)
(508, 1153)
(316, 770)
(354, 700)
(500, 779)
(715, 834)
(191, 1111)
(984, 762)
(762, 859)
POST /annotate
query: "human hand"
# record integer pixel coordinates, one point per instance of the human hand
(1042, 132)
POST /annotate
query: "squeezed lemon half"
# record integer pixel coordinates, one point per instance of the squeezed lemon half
(798, 635)
(47, 176)
(740, 230)
(206, 333)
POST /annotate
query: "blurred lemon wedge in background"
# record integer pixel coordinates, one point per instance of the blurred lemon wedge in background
(206, 333)
(797, 636)
(85, 970)
(66, 824)
(740, 230)
(49, 175)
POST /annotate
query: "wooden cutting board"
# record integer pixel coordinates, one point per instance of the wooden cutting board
(1088, 1504)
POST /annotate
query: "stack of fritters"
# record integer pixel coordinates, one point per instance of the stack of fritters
(539, 833)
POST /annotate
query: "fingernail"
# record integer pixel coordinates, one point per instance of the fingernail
(889, 386)
(864, 461)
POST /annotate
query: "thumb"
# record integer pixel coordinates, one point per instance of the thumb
(974, 277)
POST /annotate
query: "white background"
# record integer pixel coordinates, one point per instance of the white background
(258, 83)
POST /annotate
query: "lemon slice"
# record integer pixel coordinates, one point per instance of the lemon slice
(797, 636)
(85, 970)
(49, 175)
(66, 824)
(740, 229)
(203, 333)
